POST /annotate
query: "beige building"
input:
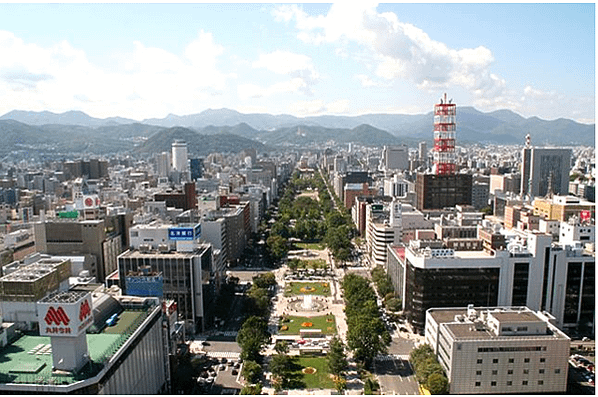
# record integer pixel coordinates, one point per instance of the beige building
(499, 350)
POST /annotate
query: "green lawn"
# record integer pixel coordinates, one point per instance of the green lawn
(318, 380)
(311, 246)
(319, 288)
(319, 322)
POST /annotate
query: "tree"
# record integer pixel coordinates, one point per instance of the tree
(437, 384)
(281, 347)
(252, 389)
(252, 371)
(280, 366)
(252, 337)
(337, 359)
(367, 337)
(277, 246)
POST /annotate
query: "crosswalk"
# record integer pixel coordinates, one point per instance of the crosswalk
(223, 354)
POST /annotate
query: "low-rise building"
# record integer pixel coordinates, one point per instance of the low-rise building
(498, 350)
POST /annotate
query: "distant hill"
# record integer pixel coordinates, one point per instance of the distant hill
(197, 144)
(72, 117)
(500, 126)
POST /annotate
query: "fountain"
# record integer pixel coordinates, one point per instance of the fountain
(308, 303)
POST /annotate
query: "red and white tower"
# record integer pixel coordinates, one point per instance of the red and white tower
(445, 127)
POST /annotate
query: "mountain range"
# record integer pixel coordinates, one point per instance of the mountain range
(230, 131)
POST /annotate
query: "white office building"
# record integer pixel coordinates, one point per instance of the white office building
(499, 350)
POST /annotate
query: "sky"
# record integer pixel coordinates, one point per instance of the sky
(150, 60)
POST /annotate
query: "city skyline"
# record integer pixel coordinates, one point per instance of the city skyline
(150, 60)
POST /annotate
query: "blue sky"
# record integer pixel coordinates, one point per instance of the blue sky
(150, 60)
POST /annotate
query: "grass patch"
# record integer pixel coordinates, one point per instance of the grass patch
(326, 323)
(313, 288)
(310, 246)
(318, 380)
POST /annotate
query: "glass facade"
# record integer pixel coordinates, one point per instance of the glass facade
(456, 287)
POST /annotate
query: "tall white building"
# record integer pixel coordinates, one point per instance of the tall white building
(180, 162)
(499, 350)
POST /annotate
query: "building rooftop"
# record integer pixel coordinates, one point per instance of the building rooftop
(523, 316)
(28, 360)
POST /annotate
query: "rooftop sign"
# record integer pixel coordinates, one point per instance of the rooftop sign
(65, 317)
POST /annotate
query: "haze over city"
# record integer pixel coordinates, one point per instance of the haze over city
(150, 60)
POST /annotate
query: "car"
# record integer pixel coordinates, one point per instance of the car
(235, 372)
(223, 360)
(222, 368)
(204, 343)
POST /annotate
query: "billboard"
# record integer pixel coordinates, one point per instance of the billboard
(65, 318)
(188, 233)
(145, 285)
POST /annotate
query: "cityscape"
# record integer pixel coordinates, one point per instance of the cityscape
(443, 244)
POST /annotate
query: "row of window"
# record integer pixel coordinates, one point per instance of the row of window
(511, 360)
(509, 383)
(525, 371)
(512, 348)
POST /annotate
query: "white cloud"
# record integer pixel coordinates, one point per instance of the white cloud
(400, 50)
(338, 107)
(366, 81)
(307, 108)
(148, 82)
(298, 67)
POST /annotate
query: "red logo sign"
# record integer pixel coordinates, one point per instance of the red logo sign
(585, 215)
(85, 310)
(56, 316)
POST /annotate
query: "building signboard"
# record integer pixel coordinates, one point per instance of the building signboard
(65, 318)
(145, 285)
(184, 233)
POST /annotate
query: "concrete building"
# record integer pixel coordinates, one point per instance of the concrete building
(180, 161)
(499, 350)
(128, 358)
(531, 271)
(72, 237)
(480, 193)
(544, 167)
(383, 227)
(561, 208)
(395, 158)
(186, 279)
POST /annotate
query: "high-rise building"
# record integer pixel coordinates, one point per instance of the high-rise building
(443, 188)
(163, 166)
(545, 170)
(179, 156)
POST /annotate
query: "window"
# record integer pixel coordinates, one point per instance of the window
(493, 383)
(509, 372)
(542, 360)
(520, 329)
(540, 382)
(478, 384)
(494, 372)
(526, 371)
(480, 361)
(526, 360)
(509, 383)
(495, 361)
(511, 360)
(478, 372)
(524, 383)
(557, 371)
(541, 370)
